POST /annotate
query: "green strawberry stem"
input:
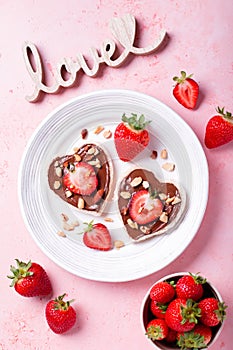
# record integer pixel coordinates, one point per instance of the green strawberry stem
(21, 271)
(134, 122)
(226, 115)
(154, 332)
(183, 77)
(197, 278)
(88, 228)
(190, 312)
(221, 312)
(60, 304)
(191, 340)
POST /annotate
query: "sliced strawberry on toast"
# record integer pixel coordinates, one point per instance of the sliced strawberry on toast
(81, 179)
(144, 208)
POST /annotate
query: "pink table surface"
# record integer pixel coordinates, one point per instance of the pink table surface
(200, 42)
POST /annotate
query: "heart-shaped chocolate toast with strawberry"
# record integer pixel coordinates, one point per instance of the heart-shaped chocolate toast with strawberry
(83, 179)
(147, 206)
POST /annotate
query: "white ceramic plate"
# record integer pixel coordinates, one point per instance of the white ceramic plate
(59, 133)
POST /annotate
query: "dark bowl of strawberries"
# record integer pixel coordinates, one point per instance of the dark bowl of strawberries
(182, 311)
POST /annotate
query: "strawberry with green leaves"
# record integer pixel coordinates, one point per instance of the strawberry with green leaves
(162, 292)
(157, 329)
(97, 236)
(131, 137)
(30, 279)
(182, 315)
(186, 90)
(158, 309)
(213, 312)
(190, 287)
(219, 129)
(60, 315)
(198, 338)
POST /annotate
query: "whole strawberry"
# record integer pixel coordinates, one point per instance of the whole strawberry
(213, 312)
(186, 90)
(60, 315)
(158, 309)
(219, 129)
(182, 315)
(162, 292)
(198, 338)
(130, 137)
(30, 279)
(157, 329)
(190, 287)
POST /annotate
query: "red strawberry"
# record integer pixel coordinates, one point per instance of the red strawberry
(172, 336)
(212, 311)
(219, 129)
(80, 178)
(158, 309)
(97, 236)
(157, 329)
(30, 279)
(60, 315)
(198, 338)
(190, 287)
(186, 90)
(181, 315)
(143, 208)
(162, 292)
(130, 137)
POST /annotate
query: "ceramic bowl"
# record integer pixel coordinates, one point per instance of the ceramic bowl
(146, 315)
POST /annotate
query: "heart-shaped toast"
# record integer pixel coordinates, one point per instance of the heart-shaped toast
(147, 206)
(83, 179)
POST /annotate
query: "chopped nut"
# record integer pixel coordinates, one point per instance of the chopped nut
(124, 210)
(125, 195)
(95, 163)
(176, 200)
(168, 166)
(163, 154)
(108, 219)
(145, 184)
(57, 185)
(67, 226)
(136, 181)
(64, 217)
(58, 171)
(56, 164)
(163, 217)
(68, 194)
(118, 244)
(170, 199)
(145, 230)
(132, 224)
(162, 196)
(84, 133)
(91, 150)
(75, 224)
(81, 203)
(154, 154)
(61, 234)
(96, 152)
(107, 134)
(77, 157)
(98, 129)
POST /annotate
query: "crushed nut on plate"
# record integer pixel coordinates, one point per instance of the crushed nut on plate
(164, 154)
(119, 244)
(61, 234)
(107, 134)
(168, 166)
(98, 129)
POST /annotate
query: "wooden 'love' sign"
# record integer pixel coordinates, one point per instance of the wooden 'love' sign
(65, 74)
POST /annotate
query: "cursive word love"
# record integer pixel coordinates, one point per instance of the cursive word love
(65, 74)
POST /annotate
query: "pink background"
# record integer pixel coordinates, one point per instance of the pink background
(200, 42)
